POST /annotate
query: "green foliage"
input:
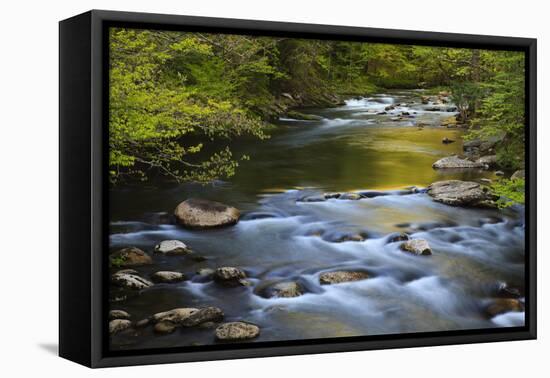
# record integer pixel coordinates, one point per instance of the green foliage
(502, 110)
(153, 109)
(510, 192)
(178, 100)
(465, 96)
(117, 261)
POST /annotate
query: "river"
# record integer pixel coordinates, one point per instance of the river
(350, 148)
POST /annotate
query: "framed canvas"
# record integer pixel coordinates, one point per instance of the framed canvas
(234, 188)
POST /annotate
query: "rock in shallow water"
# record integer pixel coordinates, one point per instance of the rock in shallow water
(417, 247)
(350, 196)
(119, 325)
(461, 193)
(502, 305)
(130, 279)
(286, 290)
(118, 314)
(399, 236)
(167, 321)
(230, 276)
(488, 161)
(204, 315)
(175, 316)
(201, 213)
(330, 278)
(455, 162)
(164, 327)
(168, 277)
(314, 198)
(237, 331)
(172, 247)
(130, 256)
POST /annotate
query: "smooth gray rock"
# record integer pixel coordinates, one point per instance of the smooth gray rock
(461, 193)
(201, 213)
(172, 247)
(453, 162)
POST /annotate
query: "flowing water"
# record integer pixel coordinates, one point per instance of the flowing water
(280, 238)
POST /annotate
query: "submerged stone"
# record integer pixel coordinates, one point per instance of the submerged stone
(330, 278)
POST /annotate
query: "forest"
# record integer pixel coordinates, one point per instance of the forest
(173, 93)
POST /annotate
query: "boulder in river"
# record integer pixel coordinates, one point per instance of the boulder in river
(489, 161)
(130, 256)
(461, 193)
(172, 247)
(285, 290)
(205, 272)
(237, 331)
(130, 279)
(330, 278)
(417, 247)
(119, 325)
(447, 141)
(207, 314)
(118, 314)
(397, 237)
(313, 198)
(356, 237)
(168, 277)
(454, 161)
(518, 175)
(175, 316)
(164, 327)
(502, 305)
(230, 276)
(201, 213)
(506, 291)
(350, 196)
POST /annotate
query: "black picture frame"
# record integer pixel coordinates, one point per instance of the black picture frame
(83, 228)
